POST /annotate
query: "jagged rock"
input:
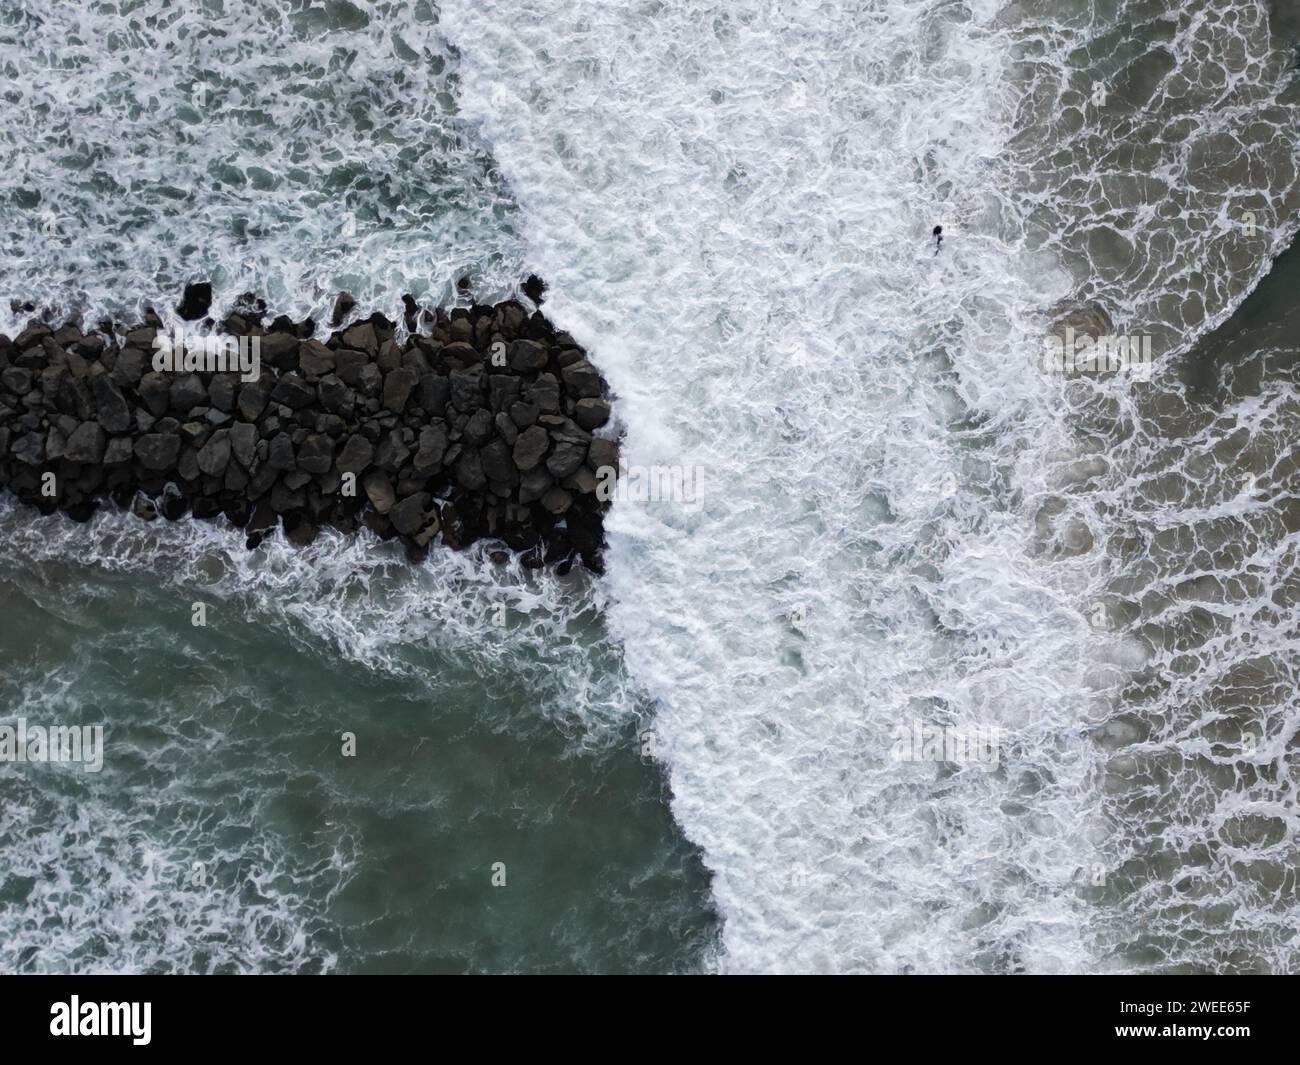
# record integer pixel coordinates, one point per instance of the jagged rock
(356, 455)
(566, 457)
(478, 430)
(398, 386)
(316, 454)
(315, 359)
(591, 413)
(602, 453)
(253, 399)
(243, 442)
(158, 451)
(506, 429)
(128, 368)
(362, 337)
(379, 490)
(432, 447)
(531, 446)
(155, 390)
(215, 454)
(534, 484)
(498, 464)
(524, 414)
(528, 355)
(544, 393)
(411, 514)
(16, 380)
(281, 456)
(294, 391)
(186, 392)
(86, 444)
(466, 389)
(120, 449)
(29, 449)
(582, 379)
(557, 500)
(195, 301)
(221, 391)
(435, 393)
(343, 306)
(469, 470)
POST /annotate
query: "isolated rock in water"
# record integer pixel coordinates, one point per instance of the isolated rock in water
(343, 306)
(535, 289)
(196, 301)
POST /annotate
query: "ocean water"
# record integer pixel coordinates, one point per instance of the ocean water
(686, 765)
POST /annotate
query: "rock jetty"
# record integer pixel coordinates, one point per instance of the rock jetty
(478, 423)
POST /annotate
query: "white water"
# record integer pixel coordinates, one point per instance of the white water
(733, 202)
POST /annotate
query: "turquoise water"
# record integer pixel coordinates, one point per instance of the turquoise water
(224, 747)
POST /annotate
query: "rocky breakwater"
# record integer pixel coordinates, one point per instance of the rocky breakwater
(481, 423)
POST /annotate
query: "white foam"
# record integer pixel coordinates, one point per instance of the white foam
(750, 262)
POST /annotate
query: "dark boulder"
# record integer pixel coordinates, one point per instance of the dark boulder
(158, 451)
(86, 444)
(531, 447)
(411, 514)
(293, 391)
(356, 455)
(195, 301)
(215, 454)
(528, 355)
(398, 386)
(591, 413)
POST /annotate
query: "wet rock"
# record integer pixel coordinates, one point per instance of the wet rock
(582, 379)
(411, 514)
(591, 413)
(195, 301)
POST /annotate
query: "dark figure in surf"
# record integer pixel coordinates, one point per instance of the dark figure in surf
(938, 238)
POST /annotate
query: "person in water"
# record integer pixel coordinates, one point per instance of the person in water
(938, 238)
